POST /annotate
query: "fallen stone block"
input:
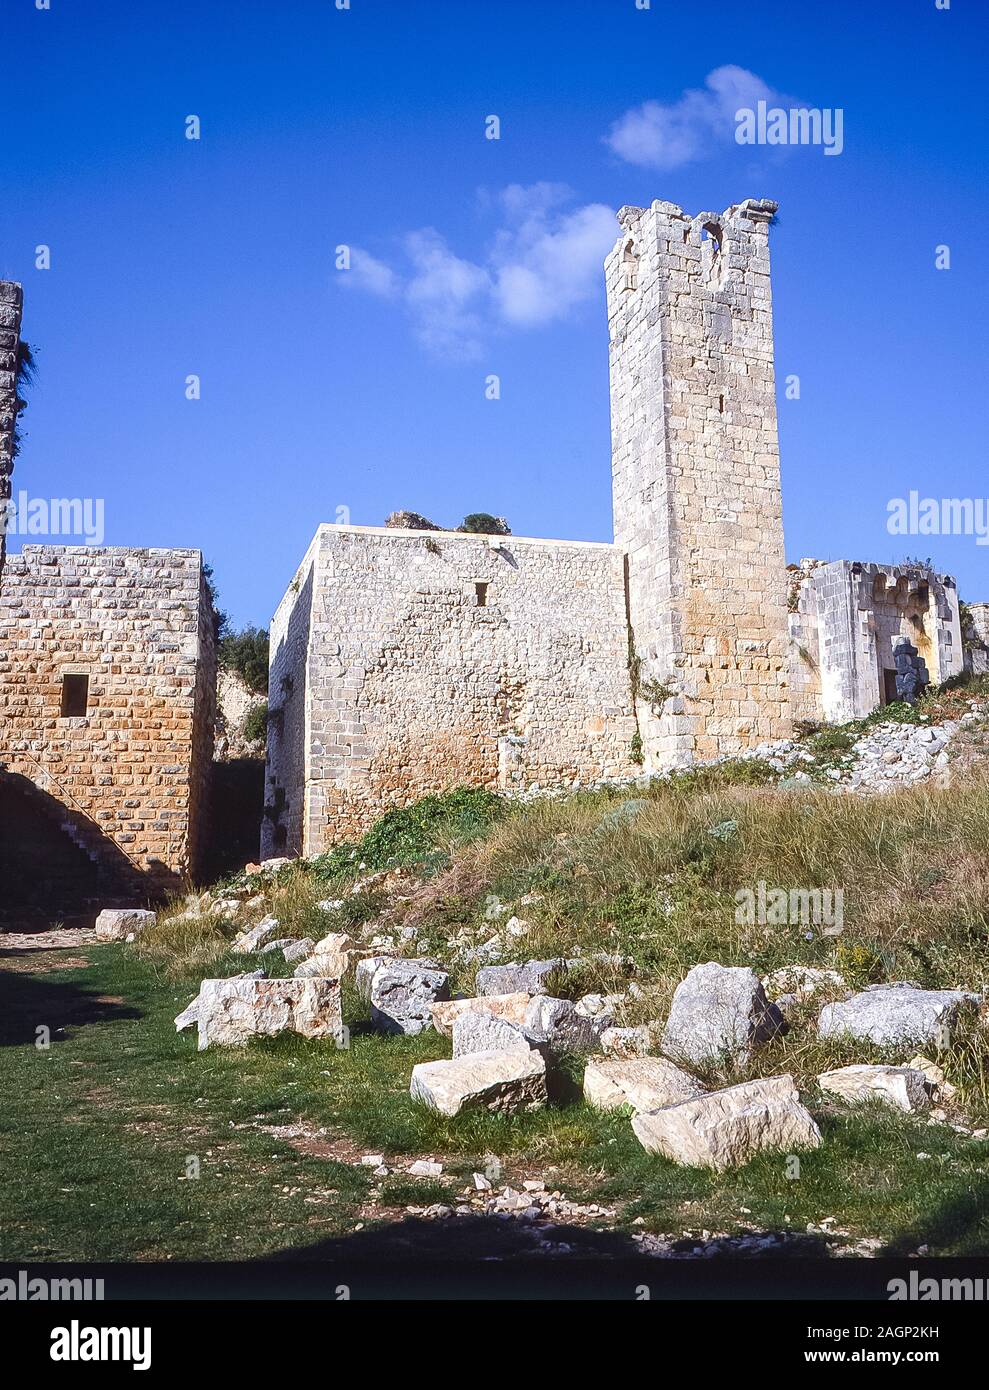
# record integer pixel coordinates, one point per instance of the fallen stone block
(718, 1015)
(528, 978)
(366, 971)
(233, 1011)
(499, 1081)
(336, 943)
(403, 990)
(278, 944)
(557, 1024)
(118, 923)
(903, 1087)
(251, 939)
(644, 1083)
(508, 1006)
(190, 1014)
(893, 1015)
(726, 1128)
(626, 1042)
(298, 950)
(480, 1032)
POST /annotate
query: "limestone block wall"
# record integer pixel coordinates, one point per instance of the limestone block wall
(696, 477)
(409, 662)
(132, 770)
(848, 617)
(977, 650)
(11, 304)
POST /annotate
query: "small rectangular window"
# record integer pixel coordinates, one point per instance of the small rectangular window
(481, 590)
(75, 697)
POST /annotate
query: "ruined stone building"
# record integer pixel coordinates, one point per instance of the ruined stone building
(409, 661)
(107, 688)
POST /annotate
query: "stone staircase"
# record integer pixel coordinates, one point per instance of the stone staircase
(54, 860)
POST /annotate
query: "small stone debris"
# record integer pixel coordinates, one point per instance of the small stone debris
(426, 1168)
(251, 939)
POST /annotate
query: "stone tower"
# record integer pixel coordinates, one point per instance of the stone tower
(696, 478)
(11, 300)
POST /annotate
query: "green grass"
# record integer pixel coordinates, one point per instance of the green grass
(97, 1132)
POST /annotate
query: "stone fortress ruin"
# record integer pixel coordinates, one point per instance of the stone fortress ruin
(407, 661)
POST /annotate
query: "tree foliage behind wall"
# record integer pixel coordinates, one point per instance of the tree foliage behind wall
(246, 652)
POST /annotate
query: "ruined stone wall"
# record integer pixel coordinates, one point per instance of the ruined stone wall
(284, 827)
(11, 302)
(977, 648)
(409, 662)
(848, 618)
(132, 771)
(696, 476)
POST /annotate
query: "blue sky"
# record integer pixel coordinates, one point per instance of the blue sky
(470, 257)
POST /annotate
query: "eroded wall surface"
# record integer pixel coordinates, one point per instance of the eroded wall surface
(696, 475)
(409, 662)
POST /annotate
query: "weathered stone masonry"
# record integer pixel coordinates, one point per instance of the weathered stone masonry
(406, 662)
(123, 752)
(845, 624)
(11, 302)
(696, 473)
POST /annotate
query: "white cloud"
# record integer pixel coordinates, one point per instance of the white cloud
(368, 273)
(442, 293)
(660, 135)
(548, 265)
(542, 262)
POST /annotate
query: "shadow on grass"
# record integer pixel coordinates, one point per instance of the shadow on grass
(959, 1223)
(480, 1237)
(28, 1003)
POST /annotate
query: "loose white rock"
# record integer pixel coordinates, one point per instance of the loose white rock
(483, 1032)
(508, 1006)
(892, 1015)
(902, 1087)
(233, 1011)
(500, 1081)
(402, 992)
(119, 923)
(644, 1083)
(556, 1024)
(251, 939)
(719, 1014)
(725, 1129)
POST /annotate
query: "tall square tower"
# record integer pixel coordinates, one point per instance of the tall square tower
(696, 478)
